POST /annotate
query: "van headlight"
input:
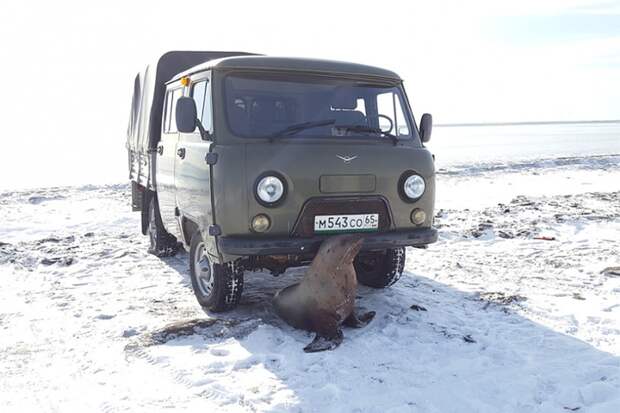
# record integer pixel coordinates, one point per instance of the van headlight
(414, 186)
(269, 190)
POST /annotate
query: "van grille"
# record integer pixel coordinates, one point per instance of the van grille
(304, 227)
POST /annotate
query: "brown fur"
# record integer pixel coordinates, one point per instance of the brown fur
(325, 297)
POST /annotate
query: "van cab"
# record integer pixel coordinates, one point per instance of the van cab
(258, 159)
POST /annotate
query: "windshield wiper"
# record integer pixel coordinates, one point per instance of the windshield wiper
(370, 129)
(298, 127)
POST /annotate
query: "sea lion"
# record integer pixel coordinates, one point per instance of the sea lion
(325, 297)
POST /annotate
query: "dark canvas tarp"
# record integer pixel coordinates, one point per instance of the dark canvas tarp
(149, 89)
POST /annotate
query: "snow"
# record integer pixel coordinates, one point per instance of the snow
(505, 321)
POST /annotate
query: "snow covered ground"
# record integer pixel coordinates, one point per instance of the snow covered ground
(515, 309)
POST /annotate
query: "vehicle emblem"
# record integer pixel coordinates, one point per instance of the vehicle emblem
(346, 159)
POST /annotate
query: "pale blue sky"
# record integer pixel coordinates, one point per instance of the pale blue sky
(564, 27)
(68, 65)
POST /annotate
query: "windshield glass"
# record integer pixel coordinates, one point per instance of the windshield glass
(290, 105)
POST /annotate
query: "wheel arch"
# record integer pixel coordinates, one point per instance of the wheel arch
(188, 227)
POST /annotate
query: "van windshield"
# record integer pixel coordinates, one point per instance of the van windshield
(274, 105)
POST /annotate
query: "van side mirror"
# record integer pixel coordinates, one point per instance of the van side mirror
(186, 115)
(426, 127)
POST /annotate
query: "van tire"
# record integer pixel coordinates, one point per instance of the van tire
(161, 243)
(217, 287)
(380, 269)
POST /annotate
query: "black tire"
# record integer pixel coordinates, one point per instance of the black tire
(217, 287)
(380, 269)
(161, 243)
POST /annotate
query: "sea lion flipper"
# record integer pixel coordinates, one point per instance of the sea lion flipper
(355, 321)
(322, 343)
(328, 332)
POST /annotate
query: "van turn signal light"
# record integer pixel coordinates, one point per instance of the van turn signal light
(185, 81)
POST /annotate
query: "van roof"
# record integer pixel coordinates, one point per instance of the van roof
(290, 64)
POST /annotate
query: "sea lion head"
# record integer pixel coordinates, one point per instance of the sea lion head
(341, 249)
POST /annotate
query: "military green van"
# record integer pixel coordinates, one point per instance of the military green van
(250, 161)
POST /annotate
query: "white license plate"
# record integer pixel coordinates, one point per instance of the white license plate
(346, 223)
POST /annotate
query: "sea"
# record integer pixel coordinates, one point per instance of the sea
(458, 150)
(460, 147)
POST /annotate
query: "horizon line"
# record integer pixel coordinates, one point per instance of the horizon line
(543, 122)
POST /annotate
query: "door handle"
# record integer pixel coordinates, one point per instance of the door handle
(160, 149)
(181, 153)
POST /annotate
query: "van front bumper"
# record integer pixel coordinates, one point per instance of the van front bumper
(245, 246)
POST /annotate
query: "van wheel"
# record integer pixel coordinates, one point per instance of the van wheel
(161, 243)
(380, 269)
(217, 287)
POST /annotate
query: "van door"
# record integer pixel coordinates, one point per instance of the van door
(192, 172)
(166, 155)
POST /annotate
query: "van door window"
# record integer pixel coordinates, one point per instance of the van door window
(388, 105)
(207, 113)
(167, 111)
(198, 93)
(201, 92)
(172, 96)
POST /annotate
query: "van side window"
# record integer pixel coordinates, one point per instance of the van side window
(201, 92)
(172, 96)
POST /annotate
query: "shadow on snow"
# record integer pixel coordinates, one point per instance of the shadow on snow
(463, 354)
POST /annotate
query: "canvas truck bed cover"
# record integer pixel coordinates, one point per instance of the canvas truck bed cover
(149, 89)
